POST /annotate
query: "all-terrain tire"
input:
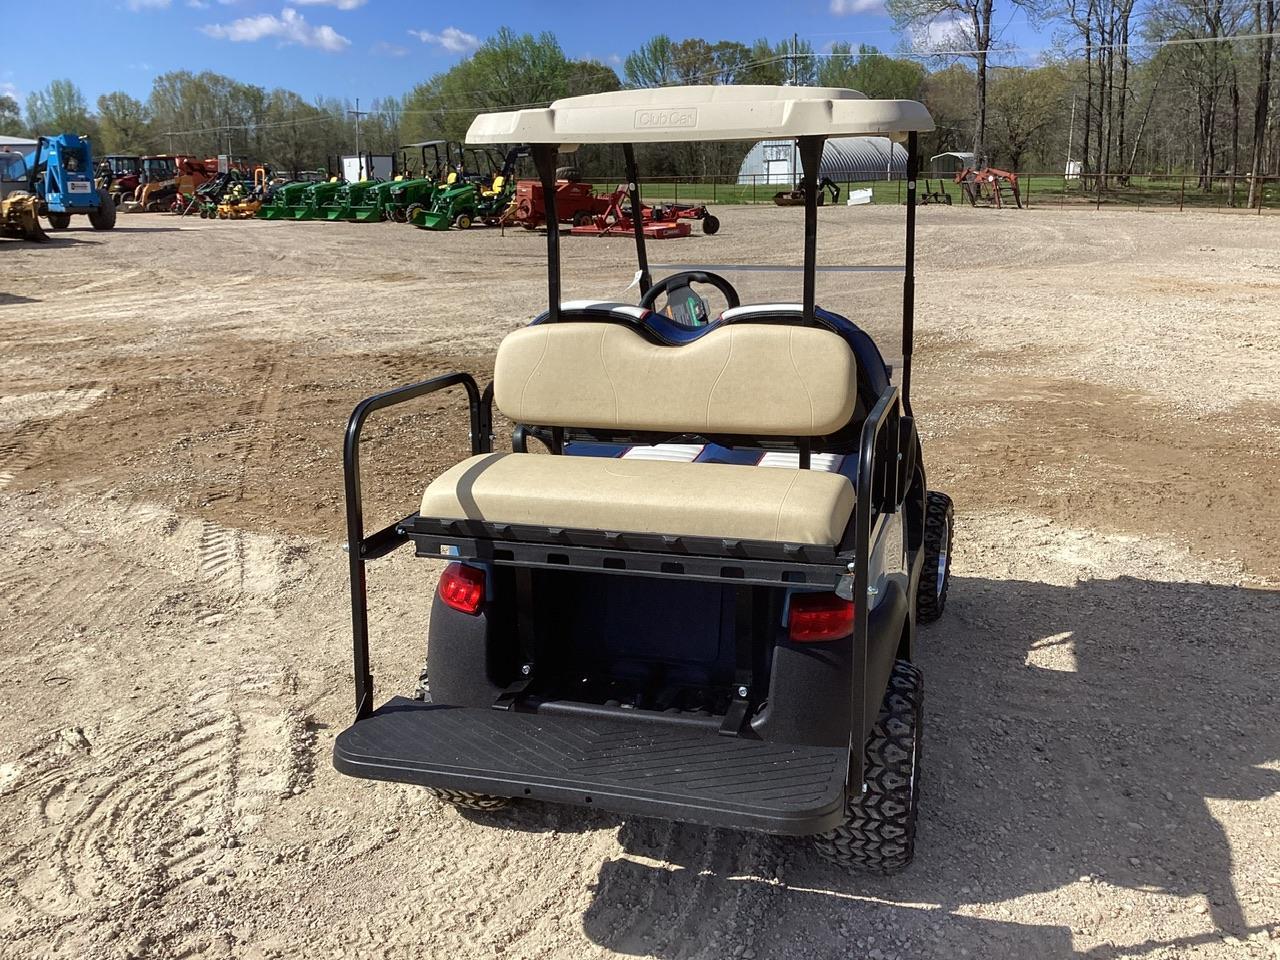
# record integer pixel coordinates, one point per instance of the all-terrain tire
(412, 211)
(710, 225)
(59, 221)
(878, 834)
(471, 801)
(104, 218)
(459, 798)
(462, 221)
(935, 576)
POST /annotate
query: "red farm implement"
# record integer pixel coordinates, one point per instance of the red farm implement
(990, 186)
(659, 222)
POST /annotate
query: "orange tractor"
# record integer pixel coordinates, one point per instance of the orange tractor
(990, 186)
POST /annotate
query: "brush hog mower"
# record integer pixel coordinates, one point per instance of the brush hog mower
(658, 222)
(702, 605)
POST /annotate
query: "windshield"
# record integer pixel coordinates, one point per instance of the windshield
(759, 250)
(159, 168)
(12, 167)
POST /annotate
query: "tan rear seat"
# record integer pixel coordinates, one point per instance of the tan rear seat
(645, 496)
(746, 379)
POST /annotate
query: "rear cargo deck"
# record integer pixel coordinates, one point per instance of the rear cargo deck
(637, 767)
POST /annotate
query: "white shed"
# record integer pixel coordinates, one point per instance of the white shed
(843, 159)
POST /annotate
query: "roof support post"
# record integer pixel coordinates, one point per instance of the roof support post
(909, 270)
(637, 219)
(544, 159)
(811, 160)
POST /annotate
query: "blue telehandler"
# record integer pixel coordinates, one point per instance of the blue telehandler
(60, 173)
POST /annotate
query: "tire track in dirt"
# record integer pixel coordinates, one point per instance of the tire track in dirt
(130, 818)
(669, 899)
(38, 421)
(222, 549)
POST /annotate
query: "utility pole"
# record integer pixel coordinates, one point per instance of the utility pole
(358, 113)
(1071, 135)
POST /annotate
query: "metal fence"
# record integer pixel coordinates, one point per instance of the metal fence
(1128, 191)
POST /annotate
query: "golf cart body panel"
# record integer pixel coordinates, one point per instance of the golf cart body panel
(703, 113)
(693, 607)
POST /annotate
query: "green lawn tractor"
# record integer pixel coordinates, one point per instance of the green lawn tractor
(281, 198)
(348, 196)
(463, 204)
(311, 205)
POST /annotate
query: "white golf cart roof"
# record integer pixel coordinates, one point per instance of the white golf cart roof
(702, 113)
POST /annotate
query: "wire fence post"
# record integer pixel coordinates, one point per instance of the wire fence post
(1182, 193)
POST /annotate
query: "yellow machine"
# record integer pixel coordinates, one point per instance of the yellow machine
(240, 203)
(20, 217)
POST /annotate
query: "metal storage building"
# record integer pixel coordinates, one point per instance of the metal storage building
(843, 158)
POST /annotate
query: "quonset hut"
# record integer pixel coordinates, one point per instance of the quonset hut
(843, 159)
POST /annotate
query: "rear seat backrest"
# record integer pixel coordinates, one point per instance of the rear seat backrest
(747, 379)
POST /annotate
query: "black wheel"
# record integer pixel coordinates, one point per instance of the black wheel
(935, 577)
(412, 211)
(878, 834)
(104, 218)
(59, 221)
(710, 225)
(471, 801)
(459, 798)
(582, 218)
(462, 221)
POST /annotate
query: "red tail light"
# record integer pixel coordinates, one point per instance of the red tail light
(462, 588)
(816, 617)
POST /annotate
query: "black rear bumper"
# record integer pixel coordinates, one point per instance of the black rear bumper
(649, 769)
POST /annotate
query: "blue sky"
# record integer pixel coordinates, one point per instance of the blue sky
(373, 48)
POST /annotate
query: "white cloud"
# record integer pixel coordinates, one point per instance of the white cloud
(340, 4)
(390, 49)
(845, 8)
(942, 35)
(137, 5)
(450, 38)
(8, 89)
(289, 28)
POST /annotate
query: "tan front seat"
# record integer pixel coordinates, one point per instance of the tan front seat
(645, 496)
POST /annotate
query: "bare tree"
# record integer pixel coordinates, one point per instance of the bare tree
(970, 23)
(1264, 20)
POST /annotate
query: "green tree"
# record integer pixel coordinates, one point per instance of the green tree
(876, 74)
(10, 116)
(507, 70)
(652, 64)
(1027, 106)
(59, 108)
(123, 124)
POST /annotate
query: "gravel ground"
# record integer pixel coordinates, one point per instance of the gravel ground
(1099, 392)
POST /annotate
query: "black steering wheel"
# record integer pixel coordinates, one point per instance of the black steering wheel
(683, 305)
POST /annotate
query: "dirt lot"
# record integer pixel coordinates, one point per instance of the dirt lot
(1100, 394)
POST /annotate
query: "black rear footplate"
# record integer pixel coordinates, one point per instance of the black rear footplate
(668, 771)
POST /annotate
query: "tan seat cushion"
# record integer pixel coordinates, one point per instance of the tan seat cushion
(753, 379)
(645, 496)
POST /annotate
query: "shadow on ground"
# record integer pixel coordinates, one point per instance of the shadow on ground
(1072, 732)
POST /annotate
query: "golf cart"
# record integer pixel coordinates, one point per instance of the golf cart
(702, 606)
